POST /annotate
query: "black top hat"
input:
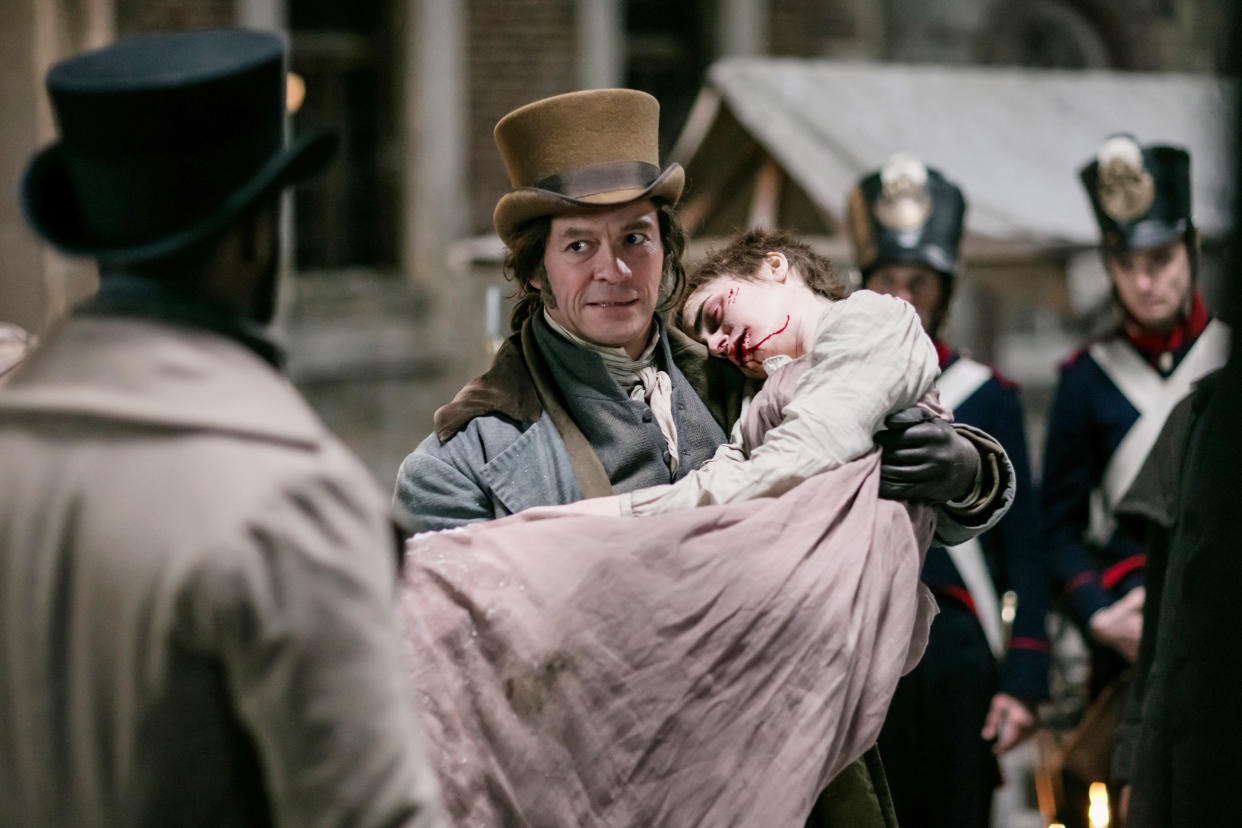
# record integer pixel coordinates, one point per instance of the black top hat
(1141, 195)
(164, 142)
(906, 212)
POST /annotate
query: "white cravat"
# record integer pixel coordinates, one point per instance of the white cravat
(639, 378)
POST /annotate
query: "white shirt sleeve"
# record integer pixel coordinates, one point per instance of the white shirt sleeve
(871, 357)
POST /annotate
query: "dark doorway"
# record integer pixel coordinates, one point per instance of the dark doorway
(344, 53)
(669, 47)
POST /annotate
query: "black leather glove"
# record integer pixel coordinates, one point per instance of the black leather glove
(924, 458)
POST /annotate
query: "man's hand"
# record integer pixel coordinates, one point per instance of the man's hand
(1009, 722)
(924, 458)
(1120, 625)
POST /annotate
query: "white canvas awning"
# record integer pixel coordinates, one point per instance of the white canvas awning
(1013, 139)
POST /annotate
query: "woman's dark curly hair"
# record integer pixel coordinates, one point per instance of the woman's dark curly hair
(524, 262)
(741, 258)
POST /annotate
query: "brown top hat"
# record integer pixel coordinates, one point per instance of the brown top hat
(581, 149)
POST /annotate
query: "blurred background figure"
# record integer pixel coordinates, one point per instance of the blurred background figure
(974, 693)
(1181, 745)
(197, 579)
(1110, 405)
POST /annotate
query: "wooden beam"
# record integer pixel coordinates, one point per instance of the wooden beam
(766, 197)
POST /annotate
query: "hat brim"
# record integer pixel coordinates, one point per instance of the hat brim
(520, 206)
(50, 205)
(1145, 235)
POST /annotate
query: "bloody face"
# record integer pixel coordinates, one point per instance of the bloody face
(746, 321)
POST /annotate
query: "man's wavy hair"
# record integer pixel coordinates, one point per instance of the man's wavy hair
(524, 262)
(741, 258)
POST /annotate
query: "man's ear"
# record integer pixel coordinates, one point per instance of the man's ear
(259, 234)
(777, 265)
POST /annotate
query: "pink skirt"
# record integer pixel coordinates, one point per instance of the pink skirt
(718, 665)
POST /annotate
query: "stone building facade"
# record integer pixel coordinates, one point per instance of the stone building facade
(415, 87)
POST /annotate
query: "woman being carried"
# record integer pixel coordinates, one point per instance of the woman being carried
(577, 666)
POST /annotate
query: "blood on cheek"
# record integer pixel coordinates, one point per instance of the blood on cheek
(782, 328)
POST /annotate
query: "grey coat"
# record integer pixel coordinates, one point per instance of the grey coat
(504, 444)
(196, 588)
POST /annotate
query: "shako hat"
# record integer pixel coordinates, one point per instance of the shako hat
(582, 149)
(165, 141)
(1140, 194)
(905, 213)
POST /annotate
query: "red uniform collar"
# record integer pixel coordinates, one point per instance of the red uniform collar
(944, 353)
(1151, 345)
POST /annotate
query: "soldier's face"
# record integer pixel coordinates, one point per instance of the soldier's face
(603, 270)
(916, 283)
(1153, 285)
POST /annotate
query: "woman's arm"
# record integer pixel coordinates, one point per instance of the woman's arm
(871, 356)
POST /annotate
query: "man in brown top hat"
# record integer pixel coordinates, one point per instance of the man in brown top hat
(593, 393)
(196, 578)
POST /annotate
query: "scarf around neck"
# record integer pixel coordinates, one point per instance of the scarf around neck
(640, 379)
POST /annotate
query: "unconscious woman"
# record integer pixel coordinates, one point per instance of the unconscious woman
(709, 651)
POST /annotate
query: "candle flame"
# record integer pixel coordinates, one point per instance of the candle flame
(1097, 811)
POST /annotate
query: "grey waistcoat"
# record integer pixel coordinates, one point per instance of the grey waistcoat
(623, 432)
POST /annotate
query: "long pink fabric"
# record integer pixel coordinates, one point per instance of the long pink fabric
(717, 666)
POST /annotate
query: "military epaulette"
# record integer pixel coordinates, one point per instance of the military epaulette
(1005, 382)
(1074, 356)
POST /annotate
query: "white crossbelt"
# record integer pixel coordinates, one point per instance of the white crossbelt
(1154, 397)
(956, 385)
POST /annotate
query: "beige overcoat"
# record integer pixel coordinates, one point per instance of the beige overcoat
(196, 587)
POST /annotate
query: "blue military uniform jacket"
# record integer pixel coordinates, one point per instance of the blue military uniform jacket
(1110, 404)
(1011, 550)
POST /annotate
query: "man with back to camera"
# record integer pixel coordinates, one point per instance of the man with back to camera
(196, 578)
(1114, 394)
(973, 685)
(593, 394)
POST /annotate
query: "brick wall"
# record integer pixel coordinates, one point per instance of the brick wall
(808, 28)
(518, 51)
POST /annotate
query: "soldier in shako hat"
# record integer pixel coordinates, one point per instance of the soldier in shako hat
(196, 620)
(973, 694)
(1114, 394)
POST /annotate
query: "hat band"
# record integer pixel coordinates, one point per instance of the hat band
(601, 178)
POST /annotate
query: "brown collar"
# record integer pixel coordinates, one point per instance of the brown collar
(505, 388)
(520, 386)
